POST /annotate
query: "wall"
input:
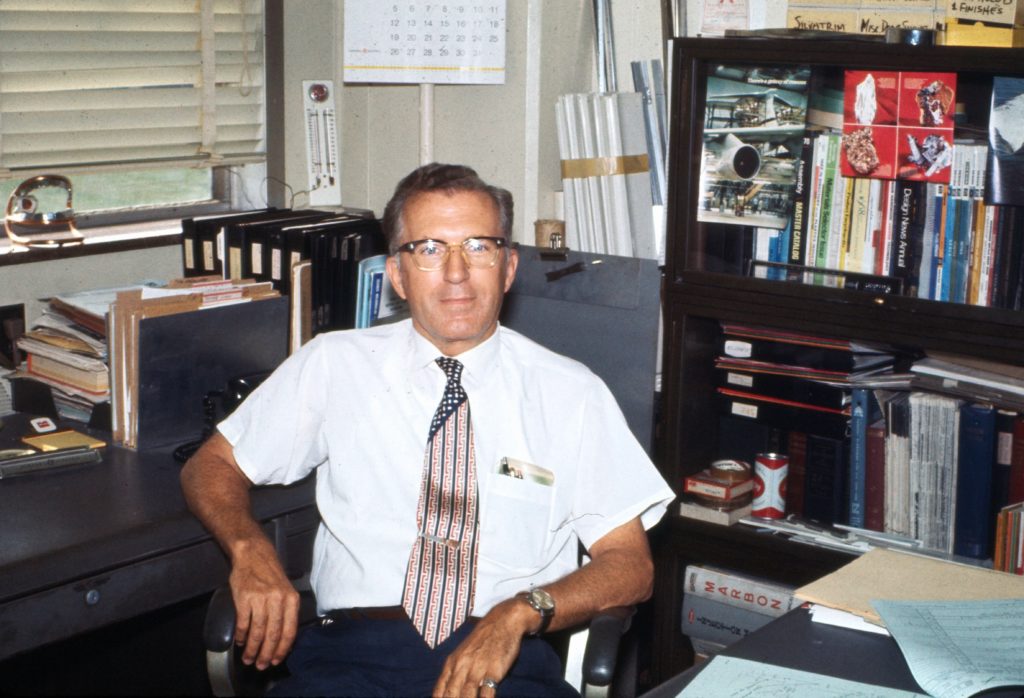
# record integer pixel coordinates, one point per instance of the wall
(507, 132)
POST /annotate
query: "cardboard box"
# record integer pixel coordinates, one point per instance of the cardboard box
(969, 33)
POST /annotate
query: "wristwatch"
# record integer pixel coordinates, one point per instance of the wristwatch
(542, 603)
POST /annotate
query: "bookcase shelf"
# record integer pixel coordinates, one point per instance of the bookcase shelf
(701, 293)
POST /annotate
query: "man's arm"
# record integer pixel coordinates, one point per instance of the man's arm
(620, 573)
(266, 602)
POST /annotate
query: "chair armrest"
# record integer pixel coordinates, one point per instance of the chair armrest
(219, 623)
(601, 653)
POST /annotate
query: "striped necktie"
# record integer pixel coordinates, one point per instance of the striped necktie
(439, 583)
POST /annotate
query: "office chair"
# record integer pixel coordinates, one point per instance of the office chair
(229, 677)
(565, 303)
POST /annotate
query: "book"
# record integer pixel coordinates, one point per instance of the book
(796, 449)
(973, 524)
(908, 234)
(897, 464)
(826, 231)
(825, 480)
(801, 202)
(705, 485)
(934, 446)
(1005, 172)
(95, 380)
(874, 477)
(898, 125)
(1016, 486)
(717, 621)
(1009, 540)
(737, 589)
(703, 512)
(857, 485)
(752, 141)
(1005, 423)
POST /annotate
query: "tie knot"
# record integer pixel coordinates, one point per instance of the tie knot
(451, 367)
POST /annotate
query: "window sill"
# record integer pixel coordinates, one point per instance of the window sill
(100, 240)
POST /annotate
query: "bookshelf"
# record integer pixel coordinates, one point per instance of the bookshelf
(705, 287)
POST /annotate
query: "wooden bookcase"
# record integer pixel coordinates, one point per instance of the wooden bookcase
(699, 295)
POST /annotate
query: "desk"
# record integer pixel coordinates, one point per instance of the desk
(90, 545)
(797, 642)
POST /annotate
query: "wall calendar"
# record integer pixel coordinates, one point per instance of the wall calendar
(425, 41)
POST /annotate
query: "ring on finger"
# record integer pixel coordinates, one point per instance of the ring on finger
(489, 683)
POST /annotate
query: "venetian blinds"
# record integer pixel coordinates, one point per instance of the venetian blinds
(106, 84)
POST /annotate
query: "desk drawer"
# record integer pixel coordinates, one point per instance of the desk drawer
(107, 598)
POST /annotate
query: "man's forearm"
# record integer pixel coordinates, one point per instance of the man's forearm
(620, 573)
(218, 494)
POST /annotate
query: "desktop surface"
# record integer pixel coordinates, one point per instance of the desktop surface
(795, 641)
(91, 544)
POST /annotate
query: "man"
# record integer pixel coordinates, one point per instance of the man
(545, 460)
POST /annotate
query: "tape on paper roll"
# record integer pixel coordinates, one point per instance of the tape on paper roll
(602, 167)
(731, 470)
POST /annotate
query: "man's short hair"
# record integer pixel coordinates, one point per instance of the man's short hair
(449, 179)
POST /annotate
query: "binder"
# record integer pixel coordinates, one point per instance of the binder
(335, 247)
(240, 234)
(207, 236)
(830, 395)
(798, 354)
(807, 418)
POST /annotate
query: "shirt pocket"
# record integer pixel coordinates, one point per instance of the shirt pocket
(516, 521)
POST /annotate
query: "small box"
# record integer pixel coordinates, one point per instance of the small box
(708, 487)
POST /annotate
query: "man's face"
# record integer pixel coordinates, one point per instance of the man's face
(455, 307)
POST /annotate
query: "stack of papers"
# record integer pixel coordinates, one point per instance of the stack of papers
(881, 574)
(133, 306)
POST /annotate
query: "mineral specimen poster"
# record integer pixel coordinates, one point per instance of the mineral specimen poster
(898, 125)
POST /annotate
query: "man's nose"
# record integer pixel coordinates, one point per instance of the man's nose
(455, 267)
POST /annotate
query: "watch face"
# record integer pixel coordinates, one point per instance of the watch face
(541, 600)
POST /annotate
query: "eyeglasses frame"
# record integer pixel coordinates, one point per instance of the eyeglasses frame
(410, 247)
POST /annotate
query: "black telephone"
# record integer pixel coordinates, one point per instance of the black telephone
(218, 404)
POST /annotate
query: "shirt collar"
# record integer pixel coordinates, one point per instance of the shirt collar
(476, 361)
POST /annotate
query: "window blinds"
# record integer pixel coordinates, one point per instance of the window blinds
(109, 84)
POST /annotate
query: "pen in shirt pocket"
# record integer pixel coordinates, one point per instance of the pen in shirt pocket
(521, 470)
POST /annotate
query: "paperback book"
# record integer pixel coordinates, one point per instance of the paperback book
(753, 138)
(898, 125)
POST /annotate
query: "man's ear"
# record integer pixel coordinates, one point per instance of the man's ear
(511, 264)
(395, 275)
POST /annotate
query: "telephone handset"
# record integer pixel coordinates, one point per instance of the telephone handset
(218, 404)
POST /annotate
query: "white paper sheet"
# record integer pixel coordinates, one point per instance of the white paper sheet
(729, 677)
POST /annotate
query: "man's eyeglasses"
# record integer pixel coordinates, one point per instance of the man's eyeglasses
(431, 255)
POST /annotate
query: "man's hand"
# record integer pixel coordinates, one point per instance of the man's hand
(620, 573)
(488, 652)
(266, 606)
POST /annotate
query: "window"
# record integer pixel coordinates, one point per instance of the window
(144, 105)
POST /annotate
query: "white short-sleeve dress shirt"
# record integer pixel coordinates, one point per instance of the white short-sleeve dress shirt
(355, 406)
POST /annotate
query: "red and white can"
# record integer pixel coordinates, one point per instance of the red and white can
(770, 471)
